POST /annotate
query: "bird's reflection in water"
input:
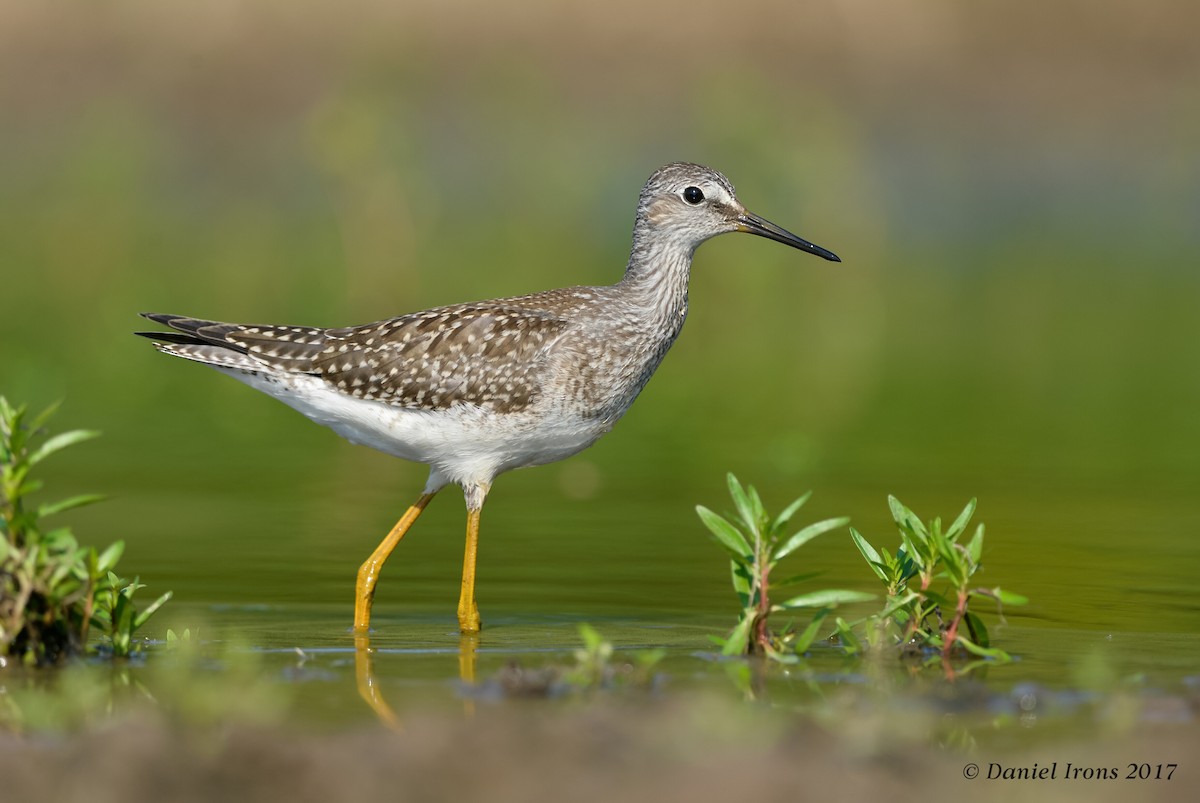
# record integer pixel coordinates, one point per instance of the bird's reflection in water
(368, 687)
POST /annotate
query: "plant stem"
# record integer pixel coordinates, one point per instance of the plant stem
(952, 632)
(762, 636)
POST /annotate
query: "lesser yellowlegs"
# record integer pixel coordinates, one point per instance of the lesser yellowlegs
(474, 390)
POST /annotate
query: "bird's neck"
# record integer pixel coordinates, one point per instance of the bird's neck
(656, 279)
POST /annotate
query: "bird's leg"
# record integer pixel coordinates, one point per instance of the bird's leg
(368, 573)
(468, 609)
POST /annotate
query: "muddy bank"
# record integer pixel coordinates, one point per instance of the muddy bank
(667, 750)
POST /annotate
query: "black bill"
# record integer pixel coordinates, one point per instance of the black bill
(753, 224)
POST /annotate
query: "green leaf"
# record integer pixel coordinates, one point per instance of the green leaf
(122, 614)
(979, 631)
(905, 564)
(29, 488)
(756, 507)
(1008, 597)
(727, 535)
(781, 657)
(151, 609)
(897, 604)
(58, 442)
(952, 561)
(824, 598)
(850, 642)
(975, 545)
(742, 502)
(59, 574)
(59, 539)
(68, 504)
(592, 640)
(906, 519)
(873, 558)
(41, 418)
(809, 635)
(912, 551)
(739, 640)
(807, 534)
(783, 518)
(8, 412)
(984, 652)
(63, 589)
(742, 583)
(961, 522)
(109, 557)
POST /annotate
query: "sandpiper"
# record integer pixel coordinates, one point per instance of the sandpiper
(473, 390)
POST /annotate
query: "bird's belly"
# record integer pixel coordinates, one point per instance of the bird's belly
(465, 443)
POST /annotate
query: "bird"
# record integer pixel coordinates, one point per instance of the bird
(473, 390)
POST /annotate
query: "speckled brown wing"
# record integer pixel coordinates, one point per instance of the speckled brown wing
(491, 355)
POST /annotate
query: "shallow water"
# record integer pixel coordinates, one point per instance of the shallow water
(239, 525)
(1062, 682)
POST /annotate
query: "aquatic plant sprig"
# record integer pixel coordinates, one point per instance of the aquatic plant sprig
(595, 668)
(116, 615)
(757, 543)
(917, 615)
(52, 590)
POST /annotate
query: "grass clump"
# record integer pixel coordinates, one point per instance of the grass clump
(929, 588)
(595, 668)
(52, 590)
(756, 543)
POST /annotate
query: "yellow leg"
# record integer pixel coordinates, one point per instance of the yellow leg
(368, 573)
(468, 610)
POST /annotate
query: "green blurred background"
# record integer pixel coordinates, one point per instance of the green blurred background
(1014, 188)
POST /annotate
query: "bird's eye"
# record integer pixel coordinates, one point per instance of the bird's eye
(693, 195)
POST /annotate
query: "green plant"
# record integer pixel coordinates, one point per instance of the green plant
(116, 615)
(595, 669)
(49, 584)
(917, 615)
(187, 638)
(191, 687)
(592, 659)
(756, 543)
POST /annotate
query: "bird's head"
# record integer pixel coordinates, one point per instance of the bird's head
(691, 203)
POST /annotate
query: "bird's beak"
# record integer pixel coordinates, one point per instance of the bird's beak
(753, 224)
